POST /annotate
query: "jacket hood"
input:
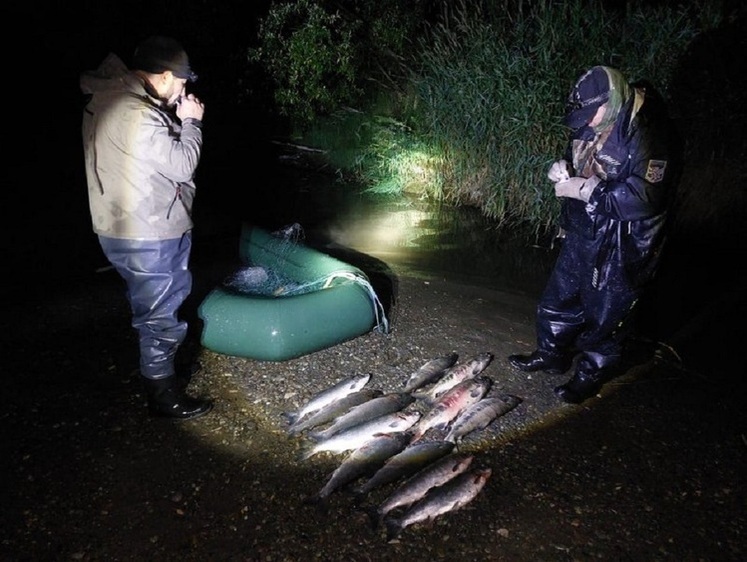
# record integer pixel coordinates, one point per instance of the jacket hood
(107, 77)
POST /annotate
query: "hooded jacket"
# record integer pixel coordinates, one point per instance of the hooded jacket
(140, 159)
(638, 166)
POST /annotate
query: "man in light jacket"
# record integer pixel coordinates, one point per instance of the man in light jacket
(142, 139)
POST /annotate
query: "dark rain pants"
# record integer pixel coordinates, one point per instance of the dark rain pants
(574, 317)
(158, 281)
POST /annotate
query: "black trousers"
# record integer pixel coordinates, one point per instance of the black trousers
(575, 317)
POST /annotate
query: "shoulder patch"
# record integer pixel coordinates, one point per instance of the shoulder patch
(655, 170)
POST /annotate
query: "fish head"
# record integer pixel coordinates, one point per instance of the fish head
(360, 381)
(463, 463)
(482, 360)
(405, 398)
(511, 400)
(477, 478)
(405, 420)
(481, 475)
(482, 384)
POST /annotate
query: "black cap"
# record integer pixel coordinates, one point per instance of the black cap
(158, 54)
(590, 92)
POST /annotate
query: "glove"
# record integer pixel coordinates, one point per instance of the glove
(558, 171)
(577, 188)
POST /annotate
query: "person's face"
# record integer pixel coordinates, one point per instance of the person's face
(598, 116)
(168, 87)
(175, 90)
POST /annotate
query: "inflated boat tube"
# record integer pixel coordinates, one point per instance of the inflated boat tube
(336, 304)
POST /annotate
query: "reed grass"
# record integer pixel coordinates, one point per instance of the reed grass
(479, 121)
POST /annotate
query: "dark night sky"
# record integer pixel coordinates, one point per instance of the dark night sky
(54, 42)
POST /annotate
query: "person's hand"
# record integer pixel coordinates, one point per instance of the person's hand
(190, 107)
(573, 188)
(558, 171)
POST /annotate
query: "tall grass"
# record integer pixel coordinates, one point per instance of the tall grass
(485, 95)
(491, 91)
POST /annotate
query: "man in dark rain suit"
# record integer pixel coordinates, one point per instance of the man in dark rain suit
(616, 183)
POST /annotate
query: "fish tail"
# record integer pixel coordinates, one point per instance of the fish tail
(418, 394)
(374, 517)
(425, 398)
(316, 499)
(359, 496)
(316, 435)
(393, 529)
(306, 453)
(320, 502)
(416, 435)
(290, 417)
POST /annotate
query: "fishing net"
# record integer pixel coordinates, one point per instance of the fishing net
(256, 280)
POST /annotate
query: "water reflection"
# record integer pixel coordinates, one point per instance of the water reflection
(424, 237)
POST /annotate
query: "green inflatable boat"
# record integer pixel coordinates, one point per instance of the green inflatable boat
(289, 300)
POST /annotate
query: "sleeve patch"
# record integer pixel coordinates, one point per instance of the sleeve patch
(655, 170)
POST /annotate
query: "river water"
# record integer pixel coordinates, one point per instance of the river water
(411, 234)
(687, 303)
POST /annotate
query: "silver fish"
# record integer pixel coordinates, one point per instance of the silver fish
(329, 395)
(455, 375)
(406, 463)
(356, 436)
(363, 461)
(415, 487)
(385, 404)
(453, 403)
(453, 495)
(430, 371)
(479, 415)
(334, 409)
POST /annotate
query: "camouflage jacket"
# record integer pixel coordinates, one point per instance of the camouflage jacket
(638, 164)
(140, 159)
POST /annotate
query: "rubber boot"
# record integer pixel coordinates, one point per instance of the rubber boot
(167, 399)
(540, 360)
(580, 387)
(186, 372)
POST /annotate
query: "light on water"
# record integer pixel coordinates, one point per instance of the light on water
(433, 238)
(382, 233)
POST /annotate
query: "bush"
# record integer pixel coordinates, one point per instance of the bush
(322, 55)
(491, 90)
(309, 54)
(474, 107)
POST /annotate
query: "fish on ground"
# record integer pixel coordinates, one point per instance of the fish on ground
(430, 371)
(384, 404)
(334, 409)
(406, 463)
(453, 495)
(452, 403)
(329, 395)
(416, 486)
(479, 415)
(455, 375)
(363, 461)
(356, 436)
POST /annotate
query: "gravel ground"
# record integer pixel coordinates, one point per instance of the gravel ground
(652, 469)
